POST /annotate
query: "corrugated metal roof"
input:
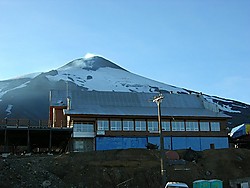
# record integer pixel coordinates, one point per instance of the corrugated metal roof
(132, 104)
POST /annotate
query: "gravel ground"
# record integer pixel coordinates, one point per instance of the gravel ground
(119, 168)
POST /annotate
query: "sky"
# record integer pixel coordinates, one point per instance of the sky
(199, 45)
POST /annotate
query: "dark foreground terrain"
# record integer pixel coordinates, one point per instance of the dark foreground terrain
(119, 168)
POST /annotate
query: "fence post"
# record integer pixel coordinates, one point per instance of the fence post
(5, 140)
(50, 139)
(28, 140)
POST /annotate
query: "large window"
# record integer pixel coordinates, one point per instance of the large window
(102, 125)
(115, 125)
(178, 126)
(192, 126)
(153, 126)
(140, 125)
(83, 127)
(165, 125)
(144, 125)
(215, 126)
(128, 125)
(204, 126)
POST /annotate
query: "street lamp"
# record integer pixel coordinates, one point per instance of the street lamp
(158, 99)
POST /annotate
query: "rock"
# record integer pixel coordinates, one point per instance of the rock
(46, 183)
(5, 155)
(208, 173)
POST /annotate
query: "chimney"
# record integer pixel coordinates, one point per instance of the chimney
(68, 103)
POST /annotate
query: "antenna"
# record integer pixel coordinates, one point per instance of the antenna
(67, 88)
(67, 85)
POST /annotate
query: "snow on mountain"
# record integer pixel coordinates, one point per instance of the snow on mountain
(10, 85)
(8, 110)
(223, 107)
(31, 76)
(91, 73)
(96, 73)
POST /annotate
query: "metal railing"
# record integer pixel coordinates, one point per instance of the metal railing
(26, 123)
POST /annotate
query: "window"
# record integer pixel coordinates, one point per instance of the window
(165, 125)
(115, 125)
(78, 145)
(215, 126)
(83, 127)
(102, 125)
(153, 126)
(140, 125)
(128, 125)
(192, 126)
(178, 126)
(204, 126)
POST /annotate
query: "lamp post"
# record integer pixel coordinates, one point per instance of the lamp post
(158, 99)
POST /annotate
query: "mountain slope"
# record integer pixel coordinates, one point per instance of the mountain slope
(28, 96)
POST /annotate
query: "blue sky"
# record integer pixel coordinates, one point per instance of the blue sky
(199, 45)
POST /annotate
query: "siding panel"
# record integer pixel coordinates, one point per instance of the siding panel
(179, 143)
(193, 143)
(196, 143)
(154, 140)
(167, 143)
(108, 143)
(219, 142)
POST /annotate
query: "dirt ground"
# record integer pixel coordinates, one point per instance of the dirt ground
(119, 168)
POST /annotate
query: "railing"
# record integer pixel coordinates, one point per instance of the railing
(26, 123)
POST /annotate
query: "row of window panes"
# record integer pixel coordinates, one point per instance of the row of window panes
(83, 127)
(140, 125)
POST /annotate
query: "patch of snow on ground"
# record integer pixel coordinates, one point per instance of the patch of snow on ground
(239, 106)
(228, 109)
(229, 101)
(2, 93)
(2, 85)
(8, 109)
(110, 79)
(21, 86)
(223, 100)
(222, 107)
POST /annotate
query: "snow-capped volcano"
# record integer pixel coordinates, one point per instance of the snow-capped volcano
(28, 96)
(90, 63)
(97, 73)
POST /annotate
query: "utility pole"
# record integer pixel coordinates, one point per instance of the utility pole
(158, 99)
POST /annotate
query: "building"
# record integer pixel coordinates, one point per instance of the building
(104, 120)
(240, 136)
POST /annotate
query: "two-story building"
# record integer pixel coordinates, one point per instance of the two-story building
(104, 120)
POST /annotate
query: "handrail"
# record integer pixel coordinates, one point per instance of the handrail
(26, 123)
